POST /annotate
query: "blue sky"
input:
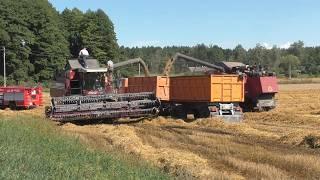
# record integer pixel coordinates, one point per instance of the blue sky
(225, 23)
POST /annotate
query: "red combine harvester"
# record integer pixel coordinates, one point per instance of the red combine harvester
(260, 85)
(87, 93)
(20, 97)
(260, 92)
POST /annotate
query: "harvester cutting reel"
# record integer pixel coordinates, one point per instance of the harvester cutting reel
(109, 106)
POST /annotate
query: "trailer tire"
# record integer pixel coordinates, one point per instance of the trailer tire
(202, 112)
(179, 112)
(12, 105)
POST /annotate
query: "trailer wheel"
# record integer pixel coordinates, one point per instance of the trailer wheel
(179, 112)
(12, 105)
(202, 113)
(200, 110)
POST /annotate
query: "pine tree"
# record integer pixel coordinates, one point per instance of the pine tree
(32, 36)
(72, 20)
(49, 50)
(98, 35)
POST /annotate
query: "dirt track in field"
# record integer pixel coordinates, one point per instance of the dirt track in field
(281, 144)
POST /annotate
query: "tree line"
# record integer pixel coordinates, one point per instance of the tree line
(39, 40)
(299, 59)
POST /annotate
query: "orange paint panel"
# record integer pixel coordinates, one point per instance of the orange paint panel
(213, 88)
(190, 88)
(229, 88)
(157, 84)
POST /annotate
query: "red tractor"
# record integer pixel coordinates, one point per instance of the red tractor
(19, 97)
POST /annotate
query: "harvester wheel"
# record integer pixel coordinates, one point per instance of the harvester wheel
(48, 111)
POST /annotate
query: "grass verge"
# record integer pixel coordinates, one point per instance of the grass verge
(32, 148)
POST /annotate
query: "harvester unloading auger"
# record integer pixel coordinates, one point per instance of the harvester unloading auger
(87, 93)
(171, 61)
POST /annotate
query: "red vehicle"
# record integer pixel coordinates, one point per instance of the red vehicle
(20, 97)
(260, 85)
(80, 93)
(260, 92)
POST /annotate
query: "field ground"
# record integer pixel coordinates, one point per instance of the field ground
(281, 144)
(306, 80)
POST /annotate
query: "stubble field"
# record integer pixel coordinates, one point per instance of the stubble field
(281, 144)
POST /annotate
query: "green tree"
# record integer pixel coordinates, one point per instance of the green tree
(44, 48)
(97, 32)
(49, 49)
(13, 31)
(228, 54)
(290, 62)
(256, 55)
(200, 51)
(297, 49)
(275, 56)
(215, 53)
(240, 54)
(71, 20)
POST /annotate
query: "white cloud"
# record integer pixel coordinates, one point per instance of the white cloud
(285, 45)
(282, 46)
(145, 43)
(267, 45)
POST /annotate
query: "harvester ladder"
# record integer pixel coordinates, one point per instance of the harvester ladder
(1, 98)
(75, 87)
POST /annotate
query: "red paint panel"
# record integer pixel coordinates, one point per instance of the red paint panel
(22, 96)
(269, 84)
(255, 86)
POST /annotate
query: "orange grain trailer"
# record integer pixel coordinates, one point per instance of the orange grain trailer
(202, 96)
(211, 88)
